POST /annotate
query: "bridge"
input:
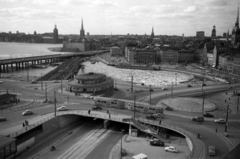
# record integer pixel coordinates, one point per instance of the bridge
(24, 61)
(144, 125)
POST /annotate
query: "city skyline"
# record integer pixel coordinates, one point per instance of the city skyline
(175, 17)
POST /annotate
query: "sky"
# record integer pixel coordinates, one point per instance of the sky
(168, 17)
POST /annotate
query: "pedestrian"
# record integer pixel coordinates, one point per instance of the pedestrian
(23, 125)
(26, 122)
(160, 122)
(88, 111)
(107, 112)
(216, 130)
(109, 116)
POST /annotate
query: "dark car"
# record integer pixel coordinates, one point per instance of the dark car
(208, 115)
(96, 108)
(151, 117)
(3, 119)
(169, 108)
(198, 119)
(203, 84)
(189, 85)
(156, 142)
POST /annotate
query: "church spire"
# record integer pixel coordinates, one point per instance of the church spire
(152, 34)
(82, 25)
(237, 21)
(82, 32)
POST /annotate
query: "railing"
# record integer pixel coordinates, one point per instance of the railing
(198, 148)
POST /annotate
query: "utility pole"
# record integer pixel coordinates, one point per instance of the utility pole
(172, 90)
(226, 125)
(61, 86)
(150, 90)
(238, 104)
(41, 82)
(55, 104)
(203, 102)
(176, 79)
(46, 90)
(27, 71)
(134, 105)
(132, 83)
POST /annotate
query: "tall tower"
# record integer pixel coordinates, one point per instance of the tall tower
(55, 34)
(82, 32)
(214, 32)
(152, 34)
(236, 32)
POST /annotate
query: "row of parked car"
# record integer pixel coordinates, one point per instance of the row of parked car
(201, 119)
(157, 142)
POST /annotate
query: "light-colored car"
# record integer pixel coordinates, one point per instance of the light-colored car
(220, 121)
(1, 82)
(164, 88)
(171, 149)
(27, 112)
(55, 81)
(62, 108)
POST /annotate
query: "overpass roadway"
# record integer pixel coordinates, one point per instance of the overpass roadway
(87, 103)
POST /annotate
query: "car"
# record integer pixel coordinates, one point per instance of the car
(27, 112)
(55, 81)
(198, 119)
(208, 115)
(164, 88)
(203, 84)
(220, 121)
(211, 150)
(34, 82)
(158, 115)
(3, 119)
(189, 85)
(96, 108)
(169, 108)
(62, 108)
(151, 117)
(171, 149)
(156, 142)
(1, 82)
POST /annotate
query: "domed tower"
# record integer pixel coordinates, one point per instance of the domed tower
(214, 32)
(55, 34)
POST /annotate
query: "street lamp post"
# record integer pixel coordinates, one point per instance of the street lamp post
(150, 90)
(55, 104)
(61, 86)
(41, 82)
(122, 131)
(46, 90)
(172, 90)
(226, 125)
(132, 83)
(134, 105)
(203, 103)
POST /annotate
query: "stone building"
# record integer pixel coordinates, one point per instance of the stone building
(90, 83)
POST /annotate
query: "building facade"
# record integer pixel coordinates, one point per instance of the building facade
(236, 32)
(90, 83)
(169, 56)
(200, 34)
(142, 57)
(185, 55)
(115, 51)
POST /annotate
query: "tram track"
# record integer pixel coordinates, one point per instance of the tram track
(84, 146)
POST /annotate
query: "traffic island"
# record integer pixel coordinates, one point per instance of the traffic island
(188, 104)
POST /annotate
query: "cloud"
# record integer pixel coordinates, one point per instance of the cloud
(104, 3)
(191, 9)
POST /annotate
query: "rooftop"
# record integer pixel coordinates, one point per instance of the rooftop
(90, 76)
